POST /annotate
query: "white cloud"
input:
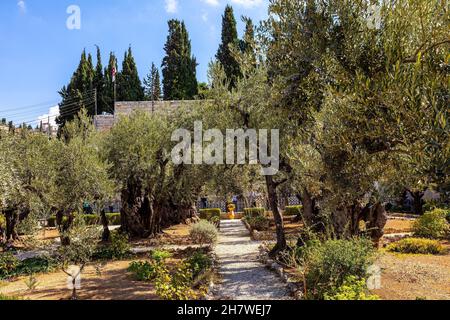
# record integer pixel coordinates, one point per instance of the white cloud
(243, 3)
(53, 113)
(171, 6)
(22, 6)
(205, 16)
(248, 3)
(211, 2)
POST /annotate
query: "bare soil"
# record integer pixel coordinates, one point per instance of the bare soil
(113, 283)
(411, 277)
(175, 235)
(398, 226)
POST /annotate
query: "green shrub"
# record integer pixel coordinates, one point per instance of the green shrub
(36, 265)
(293, 211)
(160, 255)
(51, 222)
(432, 225)
(175, 285)
(199, 263)
(417, 246)
(208, 214)
(8, 265)
(146, 270)
(326, 265)
(352, 289)
(204, 232)
(114, 219)
(254, 212)
(8, 298)
(118, 248)
(259, 223)
(448, 216)
(211, 215)
(90, 219)
(2, 222)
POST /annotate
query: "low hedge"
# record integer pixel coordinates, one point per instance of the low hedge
(90, 219)
(259, 223)
(432, 225)
(254, 212)
(2, 222)
(417, 246)
(209, 214)
(293, 211)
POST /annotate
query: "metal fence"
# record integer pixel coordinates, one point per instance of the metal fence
(258, 201)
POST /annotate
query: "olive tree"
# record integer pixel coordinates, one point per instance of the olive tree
(81, 175)
(368, 99)
(154, 191)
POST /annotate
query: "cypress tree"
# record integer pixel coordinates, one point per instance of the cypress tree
(179, 66)
(129, 86)
(229, 40)
(152, 85)
(247, 44)
(99, 85)
(109, 85)
(78, 93)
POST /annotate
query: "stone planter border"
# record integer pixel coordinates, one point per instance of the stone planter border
(295, 288)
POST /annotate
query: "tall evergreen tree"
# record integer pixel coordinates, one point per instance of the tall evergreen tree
(79, 92)
(229, 40)
(179, 66)
(109, 84)
(129, 86)
(99, 85)
(247, 44)
(152, 85)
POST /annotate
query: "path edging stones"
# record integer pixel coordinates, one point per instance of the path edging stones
(295, 288)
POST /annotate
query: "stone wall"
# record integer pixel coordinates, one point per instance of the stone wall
(106, 122)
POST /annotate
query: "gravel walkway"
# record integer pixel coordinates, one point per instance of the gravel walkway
(243, 276)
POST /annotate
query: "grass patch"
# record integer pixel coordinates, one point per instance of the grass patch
(417, 246)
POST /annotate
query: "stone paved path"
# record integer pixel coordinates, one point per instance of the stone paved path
(243, 276)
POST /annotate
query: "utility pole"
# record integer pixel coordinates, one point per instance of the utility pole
(115, 93)
(49, 127)
(95, 99)
(153, 96)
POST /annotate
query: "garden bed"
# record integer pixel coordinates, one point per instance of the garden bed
(411, 277)
(292, 229)
(109, 281)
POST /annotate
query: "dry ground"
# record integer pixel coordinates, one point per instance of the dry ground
(114, 283)
(398, 226)
(410, 277)
(175, 235)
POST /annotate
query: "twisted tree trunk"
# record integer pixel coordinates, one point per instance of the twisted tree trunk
(64, 226)
(135, 214)
(346, 221)
(104, 220)
(279, 223)
(13, 217)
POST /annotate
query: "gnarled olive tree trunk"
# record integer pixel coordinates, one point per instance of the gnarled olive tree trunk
(311, 212)
(64, 225)
(106, 235)
(144, 215)
(136, 213)
(13, 217)
(277, 215)
(346, 221)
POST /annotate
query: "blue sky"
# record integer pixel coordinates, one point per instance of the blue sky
(38, 53)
